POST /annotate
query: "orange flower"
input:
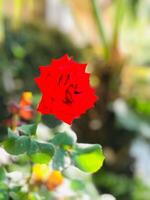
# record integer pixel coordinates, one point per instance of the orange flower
(25, 110)
(54, 180)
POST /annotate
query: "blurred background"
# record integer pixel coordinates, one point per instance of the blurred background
(113, 37)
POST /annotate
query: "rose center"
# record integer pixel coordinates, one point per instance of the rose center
(71, 89)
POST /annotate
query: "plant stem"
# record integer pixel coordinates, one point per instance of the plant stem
(99, 21)
(117, 22)
(38, 118)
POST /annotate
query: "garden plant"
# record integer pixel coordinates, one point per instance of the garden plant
(66, 94)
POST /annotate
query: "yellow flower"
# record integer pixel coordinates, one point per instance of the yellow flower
(40, 172)
(27, 96)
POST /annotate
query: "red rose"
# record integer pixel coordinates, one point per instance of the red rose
(65, 88)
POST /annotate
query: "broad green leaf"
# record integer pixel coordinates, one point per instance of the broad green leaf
(88, 157)
(34, 147)
(64, 139)
(59, 159)
(42, 158)
(17, 144)
(28, 129)
(41, 152)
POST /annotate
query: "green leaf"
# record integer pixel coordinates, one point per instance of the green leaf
(87, 157)
(3, 191)
(59, 159)
(64, 139)
(28, 129)
(39, 157)
(2, 174)
(41, 152)
(11, 134)
(34, 147)
(38, 152)
(17, 145)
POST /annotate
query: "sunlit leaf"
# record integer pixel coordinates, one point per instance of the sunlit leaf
(88, 157)
(41, 152)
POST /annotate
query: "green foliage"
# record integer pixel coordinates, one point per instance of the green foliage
(28, 129)
(17, 145)
(3, 186)
(64, 139)
(64, 142)
(88, 158)
(2, 174)
(132, 6)
(37, 151)
(43, 152)
(29, 47)
(61, 151)
(80, 154)
(3, 191)
(141, 191)
(59, 158)
(141, 106)
(119, 186)
(62, 146)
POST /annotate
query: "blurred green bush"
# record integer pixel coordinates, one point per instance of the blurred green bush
(23, 50)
